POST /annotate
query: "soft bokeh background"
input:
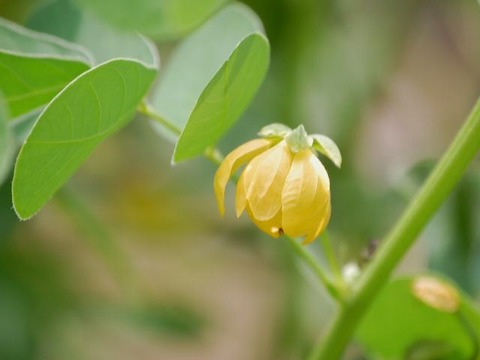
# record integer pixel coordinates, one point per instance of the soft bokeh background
(131, 259)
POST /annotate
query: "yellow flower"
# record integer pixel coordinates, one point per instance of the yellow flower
(284, 187)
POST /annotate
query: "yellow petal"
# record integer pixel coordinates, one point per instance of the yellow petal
(232, 162)
(305, 196)
(298, 195)
(321, 226)
(240, 196)
(272, 227)
(264, 180)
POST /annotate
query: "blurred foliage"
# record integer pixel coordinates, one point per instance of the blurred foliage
(453, 236)
(159, 19)
(332, 63)
(169, 319)
(17, 10)
(63, 18)
(33, 294)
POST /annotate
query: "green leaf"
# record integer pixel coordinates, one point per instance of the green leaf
(92, 107)
(225, 97)
(200, 61)
(21, 41)
(35, 67)
(31, 82)
(8, 219)
(470, 312)
(159, 19)
(6, 144)
(327, 147)
(400, 326)
(63, 18)
(196, 61)
(114, 43)
(56, 17)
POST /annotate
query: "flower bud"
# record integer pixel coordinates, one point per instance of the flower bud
(284, 187)
(436, 294)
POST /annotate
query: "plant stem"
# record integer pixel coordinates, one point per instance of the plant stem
(214, 155)
(148, 110)
(332, 258)
(310, 260)
(435, 190)
(211, 153)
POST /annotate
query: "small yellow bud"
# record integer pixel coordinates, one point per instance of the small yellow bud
(284, 189)
(436, 294)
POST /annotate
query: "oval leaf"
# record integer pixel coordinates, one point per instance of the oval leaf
(21, 41)
(31, 82)
(399, 325)
(92, 107)
(158, 19)
(63, 18)
(225, 97)
(197, 61)
(6, 144)
(35, 67)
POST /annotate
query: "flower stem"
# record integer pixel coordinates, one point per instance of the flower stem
(332, 259)
(435, 190)
(314, 265)
(215, 156)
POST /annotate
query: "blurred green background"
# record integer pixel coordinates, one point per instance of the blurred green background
(132, 260)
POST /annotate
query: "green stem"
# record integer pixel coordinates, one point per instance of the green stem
(332, 259)
(214, 155)
(148, 110)
(211, 153)
(435, 190)
(314, 265)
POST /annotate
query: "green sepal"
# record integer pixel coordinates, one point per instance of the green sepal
(327, 147)
(298, 139)
(274, 130)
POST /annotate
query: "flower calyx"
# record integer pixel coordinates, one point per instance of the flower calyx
(298, 140)
(274, 131)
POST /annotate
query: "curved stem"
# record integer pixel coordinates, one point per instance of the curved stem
(332, 259)
(310, 260)
(148, 110)
(435, 190)
(214, 155)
